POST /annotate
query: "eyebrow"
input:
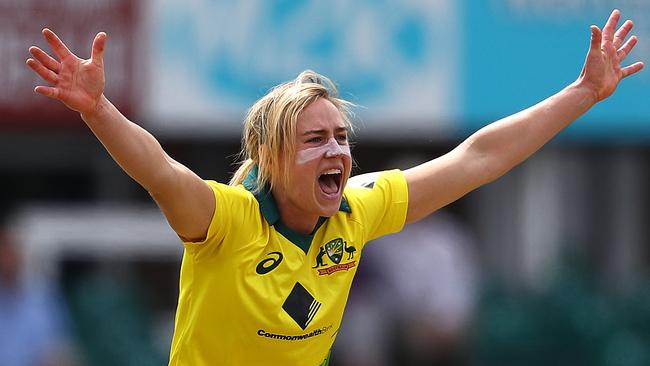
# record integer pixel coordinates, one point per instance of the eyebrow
(322, 131)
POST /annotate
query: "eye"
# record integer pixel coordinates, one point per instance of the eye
(315, 140)
(342, 138)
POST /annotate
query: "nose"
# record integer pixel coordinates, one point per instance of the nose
(333, 149)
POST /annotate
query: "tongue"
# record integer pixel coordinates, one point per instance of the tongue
(328, 184)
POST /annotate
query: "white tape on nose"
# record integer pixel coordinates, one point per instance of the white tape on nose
(329, 150)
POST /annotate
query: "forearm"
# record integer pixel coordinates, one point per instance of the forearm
(134, 149)
(500, 146)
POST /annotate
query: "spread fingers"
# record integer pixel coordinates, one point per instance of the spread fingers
(45, 59)
(42, 71)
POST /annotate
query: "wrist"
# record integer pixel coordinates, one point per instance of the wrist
(589, 95)
(98, 109)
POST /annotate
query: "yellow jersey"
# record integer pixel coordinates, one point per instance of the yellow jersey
(254, 292)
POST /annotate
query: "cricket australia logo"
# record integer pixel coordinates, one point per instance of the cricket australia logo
(335, 251)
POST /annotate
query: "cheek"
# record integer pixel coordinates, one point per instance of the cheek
(308, 155)
(348, 158)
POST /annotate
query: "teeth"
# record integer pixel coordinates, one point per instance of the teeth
(332, 171)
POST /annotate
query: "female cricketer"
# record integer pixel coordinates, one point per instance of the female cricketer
(269, 259)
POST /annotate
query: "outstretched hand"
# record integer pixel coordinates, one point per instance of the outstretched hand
(602, 70)
(78, 83)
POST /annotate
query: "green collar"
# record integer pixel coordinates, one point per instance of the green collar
(272, 214)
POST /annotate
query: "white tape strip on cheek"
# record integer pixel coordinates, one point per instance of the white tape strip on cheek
(332, 148)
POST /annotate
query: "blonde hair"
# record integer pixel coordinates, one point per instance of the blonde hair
(270, 127)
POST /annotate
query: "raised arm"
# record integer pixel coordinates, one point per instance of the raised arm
(185, 199)
(498, 147)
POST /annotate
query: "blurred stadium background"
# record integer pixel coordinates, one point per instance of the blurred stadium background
(548, 265)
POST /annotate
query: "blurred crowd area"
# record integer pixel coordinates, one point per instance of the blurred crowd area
(548, 265)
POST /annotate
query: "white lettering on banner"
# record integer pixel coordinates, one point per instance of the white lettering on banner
(214, 59)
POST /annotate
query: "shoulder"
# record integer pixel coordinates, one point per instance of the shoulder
(224, 192)
(235, 207)
(235, 204)
(378, 201)
(376, 184)
(373, 193)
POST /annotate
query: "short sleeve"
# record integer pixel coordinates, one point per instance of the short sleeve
(229, 201)
(379, 201)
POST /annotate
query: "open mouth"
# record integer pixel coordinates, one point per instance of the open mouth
(330, 181)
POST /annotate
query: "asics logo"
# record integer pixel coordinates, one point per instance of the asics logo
(269, 264)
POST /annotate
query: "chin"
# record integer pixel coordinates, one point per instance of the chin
(330, 210)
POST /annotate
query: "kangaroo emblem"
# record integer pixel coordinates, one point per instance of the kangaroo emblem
(319, 258)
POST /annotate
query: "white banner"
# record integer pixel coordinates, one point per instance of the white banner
(211, 60)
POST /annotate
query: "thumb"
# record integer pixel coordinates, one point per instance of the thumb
(97, 53)
(596, 38)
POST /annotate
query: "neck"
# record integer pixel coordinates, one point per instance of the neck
(294, 218)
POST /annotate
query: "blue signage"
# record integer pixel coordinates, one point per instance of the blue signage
(518, 52)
